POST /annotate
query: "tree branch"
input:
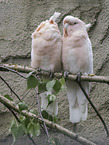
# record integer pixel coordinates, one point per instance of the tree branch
(10, 88)
(50, 124)
(105, 127)
(18, 120)
(25, 69)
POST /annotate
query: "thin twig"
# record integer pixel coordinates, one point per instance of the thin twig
(18, 120)
(13, 113)
(11, 70)
(59, 128)
(41, 114)
(80, 85)
(25, 69)
(10, 88)
(12, 110)
(25, 93)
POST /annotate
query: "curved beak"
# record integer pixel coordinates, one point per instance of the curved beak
(65, 29)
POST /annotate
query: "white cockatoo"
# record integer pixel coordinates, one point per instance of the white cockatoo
(46, 55)
(77, 57)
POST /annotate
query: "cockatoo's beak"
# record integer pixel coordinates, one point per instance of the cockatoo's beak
(65, 29)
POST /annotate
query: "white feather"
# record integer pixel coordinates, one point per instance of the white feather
(55, 16)
(88, 26)
(77, 57)
(46, 54)
(52, 108)
(77, 101)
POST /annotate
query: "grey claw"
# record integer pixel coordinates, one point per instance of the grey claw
(66, 73)
(38, 69)
(78, 78)
(51, 75)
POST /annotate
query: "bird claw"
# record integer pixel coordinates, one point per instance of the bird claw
(66, 73)
(78, 78)
(38, 69)
(51, 75)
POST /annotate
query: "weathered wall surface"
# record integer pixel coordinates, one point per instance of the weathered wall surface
(18, 19)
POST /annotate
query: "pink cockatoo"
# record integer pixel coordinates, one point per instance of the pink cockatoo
(46, 55)
(77, 57)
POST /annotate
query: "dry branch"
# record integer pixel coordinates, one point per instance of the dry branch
(50, 124)
(25, 69)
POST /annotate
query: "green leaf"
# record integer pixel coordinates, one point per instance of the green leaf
(34, 111)
(55, 119)
(63, 81)
(50, 142)
(50, 117)
(12, 122)
(57, 86)
(21, 118)
(44, 114)
(41, 87)
(51, 98)
(53, 141)
(57, 141)
(32, 82)
(22, 106)
(16, 130)
(63, 84)
(25, 123)
(28, 75)
(34, 129)
(50, 85)
(8, 97)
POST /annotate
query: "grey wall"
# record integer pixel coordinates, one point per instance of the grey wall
(19, 18)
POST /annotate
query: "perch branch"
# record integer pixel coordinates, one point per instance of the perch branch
(50, 124)
(25, 69)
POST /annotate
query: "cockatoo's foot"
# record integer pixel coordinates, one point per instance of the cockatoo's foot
(51, 75)
(78, 78)
(66, 74)
(38, 69)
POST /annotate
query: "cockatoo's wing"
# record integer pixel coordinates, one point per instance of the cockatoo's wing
(76, 57)
(90, 54)
(46, 54)
(46, 46)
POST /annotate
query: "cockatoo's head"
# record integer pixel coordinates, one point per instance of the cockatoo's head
(72, 24)
(47, 25)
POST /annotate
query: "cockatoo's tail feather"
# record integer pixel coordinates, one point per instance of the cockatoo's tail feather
(52, 108)
(55, 16)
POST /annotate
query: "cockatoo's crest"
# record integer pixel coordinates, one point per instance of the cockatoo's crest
(46, 24)
(55, 16)
(88, 26)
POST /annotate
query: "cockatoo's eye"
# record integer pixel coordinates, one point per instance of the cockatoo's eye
(75, 23)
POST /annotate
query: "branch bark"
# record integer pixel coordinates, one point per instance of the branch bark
(50, 124)
(26, 69)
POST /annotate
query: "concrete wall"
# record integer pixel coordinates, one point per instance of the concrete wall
(19, 18)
